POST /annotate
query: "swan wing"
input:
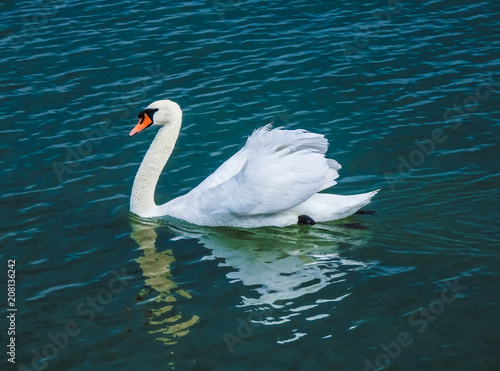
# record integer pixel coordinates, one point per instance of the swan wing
(275, 171)
(266, 140)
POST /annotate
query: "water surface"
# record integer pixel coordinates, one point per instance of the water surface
(408, 94)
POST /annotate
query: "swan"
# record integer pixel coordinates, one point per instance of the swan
(274, 180)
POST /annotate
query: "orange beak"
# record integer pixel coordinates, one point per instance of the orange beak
(141, 125)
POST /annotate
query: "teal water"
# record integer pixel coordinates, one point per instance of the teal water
(408, 94)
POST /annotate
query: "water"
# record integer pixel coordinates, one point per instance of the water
(407, 93)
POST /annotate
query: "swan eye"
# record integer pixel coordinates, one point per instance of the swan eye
(149, 112)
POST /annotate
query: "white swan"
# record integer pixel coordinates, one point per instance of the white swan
(273, 180)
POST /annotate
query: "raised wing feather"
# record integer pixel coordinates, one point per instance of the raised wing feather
(275, 171)
(265, 140)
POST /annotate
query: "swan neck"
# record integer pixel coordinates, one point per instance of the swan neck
(142, 201)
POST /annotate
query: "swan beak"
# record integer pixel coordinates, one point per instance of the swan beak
(143, 123)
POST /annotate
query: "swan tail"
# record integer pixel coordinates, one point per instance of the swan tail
(324, 207)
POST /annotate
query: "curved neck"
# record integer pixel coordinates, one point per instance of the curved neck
(142, 200)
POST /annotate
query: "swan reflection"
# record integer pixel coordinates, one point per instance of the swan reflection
(280, 264)
(169, 325)
(277, 265)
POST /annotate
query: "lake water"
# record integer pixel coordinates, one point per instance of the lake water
(408, 94)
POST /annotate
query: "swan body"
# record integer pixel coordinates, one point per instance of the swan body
(271, 181)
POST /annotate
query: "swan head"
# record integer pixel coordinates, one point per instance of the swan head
(161, 112)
